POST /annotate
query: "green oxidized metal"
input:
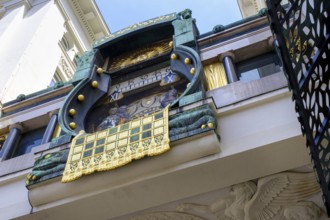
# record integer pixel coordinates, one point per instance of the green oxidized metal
(85, 64)
(185, 29)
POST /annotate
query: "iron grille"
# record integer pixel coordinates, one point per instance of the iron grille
(301, 29)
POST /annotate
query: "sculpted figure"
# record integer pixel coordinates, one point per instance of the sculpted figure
(242, 193)
(168, 98)
(278, 194)
(230, 207)
(186, 14)
(303, 210)
(116, 117)
(191, 120)
(277, 197)
(47, 165)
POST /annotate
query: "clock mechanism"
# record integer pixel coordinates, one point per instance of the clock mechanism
(134, 74)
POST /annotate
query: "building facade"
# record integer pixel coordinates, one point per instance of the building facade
(161, 122)
(32, 50)
(251, 7)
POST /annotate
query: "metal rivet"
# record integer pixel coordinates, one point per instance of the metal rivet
(99, 70)
(95, 84)
(72, 112)
(210, 125)
(81, 98)
(73, 125)
(174, 56)
(187, 61)
(192, 71)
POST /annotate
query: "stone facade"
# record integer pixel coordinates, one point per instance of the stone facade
(236, 148)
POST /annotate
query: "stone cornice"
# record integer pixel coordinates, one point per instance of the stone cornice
(228, 33)
(69, 26)
(40, 98)
(76, 6)
(80, 14)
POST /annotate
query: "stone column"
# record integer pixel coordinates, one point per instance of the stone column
(228, 61)
(12, 140)
(50, 127)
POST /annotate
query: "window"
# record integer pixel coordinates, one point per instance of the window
(258, 67)
(28, 141)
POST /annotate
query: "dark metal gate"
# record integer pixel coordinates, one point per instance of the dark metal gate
(301, 29)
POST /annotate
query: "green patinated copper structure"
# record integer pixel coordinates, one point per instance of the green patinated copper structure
(48, 166)
(99, 89)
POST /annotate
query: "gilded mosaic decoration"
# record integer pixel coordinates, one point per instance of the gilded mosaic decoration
(111, 113)
(215, 75)
(139, 55)
(117, 146)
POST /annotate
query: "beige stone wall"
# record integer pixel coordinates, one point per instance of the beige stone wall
(250, 7)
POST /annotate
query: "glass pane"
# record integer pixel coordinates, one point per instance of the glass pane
(28, 141)
(258, 67)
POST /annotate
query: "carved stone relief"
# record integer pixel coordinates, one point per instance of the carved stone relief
(278, 197)
(282, 196)
(66, 69)
(167, 216)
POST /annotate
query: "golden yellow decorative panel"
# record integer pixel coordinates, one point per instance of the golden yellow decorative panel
(215, 75)
(117, 146)
(139, 55)
(57, 131)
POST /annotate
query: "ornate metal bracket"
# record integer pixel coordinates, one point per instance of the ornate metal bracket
(302, 31)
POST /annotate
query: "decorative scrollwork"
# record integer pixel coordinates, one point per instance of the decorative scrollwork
(139, 55)
(279, 196)
(303, 37)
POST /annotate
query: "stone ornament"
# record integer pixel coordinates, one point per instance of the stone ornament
(281, 192)
(167, 216)
(48, 166)
(277, 197)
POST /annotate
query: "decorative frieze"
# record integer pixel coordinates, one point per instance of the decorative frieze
(279, 196)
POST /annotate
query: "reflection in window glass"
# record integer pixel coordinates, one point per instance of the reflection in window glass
(28, 141)
(258, 67)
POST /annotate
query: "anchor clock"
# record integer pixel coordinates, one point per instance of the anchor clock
(129, 74)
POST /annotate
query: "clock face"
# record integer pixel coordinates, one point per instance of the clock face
(162, 77)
